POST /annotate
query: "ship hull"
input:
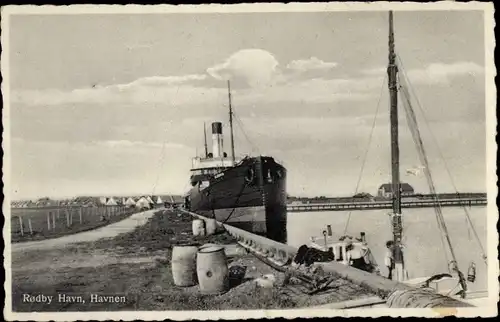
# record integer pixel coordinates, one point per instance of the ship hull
(250, 196)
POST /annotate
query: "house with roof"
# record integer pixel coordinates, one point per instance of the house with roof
(130, 202)
(143, 203)
(111, 201)
(385, 190)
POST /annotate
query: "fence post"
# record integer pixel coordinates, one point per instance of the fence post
(48, 220)
(30, 226)
(21, 225)
(80, 210)
(53, 221)
(67, 218)
(71, 217)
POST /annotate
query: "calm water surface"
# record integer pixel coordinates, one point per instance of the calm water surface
(424, 253)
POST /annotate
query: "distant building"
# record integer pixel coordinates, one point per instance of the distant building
(111, 202)
(143, 203)
(130, 202)
(385, 190)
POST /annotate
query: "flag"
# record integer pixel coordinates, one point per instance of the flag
(415, 171)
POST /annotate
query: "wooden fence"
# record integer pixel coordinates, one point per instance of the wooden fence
(46, 222)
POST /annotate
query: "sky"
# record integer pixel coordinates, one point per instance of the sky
(115, 104)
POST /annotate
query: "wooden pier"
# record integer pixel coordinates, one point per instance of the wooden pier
(369, 205)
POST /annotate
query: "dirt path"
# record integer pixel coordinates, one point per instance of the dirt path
(108, 231)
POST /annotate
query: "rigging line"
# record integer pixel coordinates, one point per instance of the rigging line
(443, 159)
(244, 132)
(367, 149)
(414, 131)
(236, 203)
(252, 145)
(412, 123)
(467, 215)
(438, 210)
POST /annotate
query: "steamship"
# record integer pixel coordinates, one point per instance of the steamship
(247, 193)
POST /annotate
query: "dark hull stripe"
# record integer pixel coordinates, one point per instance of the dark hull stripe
(247, 218)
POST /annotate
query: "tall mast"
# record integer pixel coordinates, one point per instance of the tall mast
(205, 136)
(231, 120)
(397, 225)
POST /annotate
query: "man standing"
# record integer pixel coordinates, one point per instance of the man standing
(389, 257)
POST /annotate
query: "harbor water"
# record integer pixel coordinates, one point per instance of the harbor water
(424, 253)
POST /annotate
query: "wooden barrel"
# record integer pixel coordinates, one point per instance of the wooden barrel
(207, 245)
(198, 227)
(210, 226)
(211, 267)
(184, 265)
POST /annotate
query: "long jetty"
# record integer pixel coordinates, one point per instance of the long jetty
(368, 205)
(393, 294)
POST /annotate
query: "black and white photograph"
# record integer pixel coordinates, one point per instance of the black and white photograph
(249, 161)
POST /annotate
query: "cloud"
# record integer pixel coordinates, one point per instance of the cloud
(62, 168)
(442, 73)
(254, 67)
(375, 71)
(257, 68)
(140, 144)
(319, 91)
(153, 90)
(255, 75)
(312, 63)
(436, 73)
(256, 79)
(160, 81)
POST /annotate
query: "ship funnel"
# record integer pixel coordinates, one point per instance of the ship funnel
(217, 147)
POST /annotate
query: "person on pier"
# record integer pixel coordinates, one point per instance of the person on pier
(389, 258)
(359, 256)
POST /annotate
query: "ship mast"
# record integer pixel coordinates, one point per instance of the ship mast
(397, 225)
(205, 136)
(231, 120)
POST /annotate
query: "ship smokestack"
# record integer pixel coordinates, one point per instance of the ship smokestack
(217, 146)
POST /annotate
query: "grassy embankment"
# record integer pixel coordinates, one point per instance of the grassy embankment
(135, 265)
